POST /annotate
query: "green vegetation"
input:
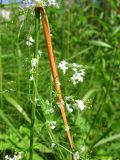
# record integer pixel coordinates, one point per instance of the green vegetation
(88, 36)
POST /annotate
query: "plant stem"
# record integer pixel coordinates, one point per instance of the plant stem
(1, 71)
(35, 81)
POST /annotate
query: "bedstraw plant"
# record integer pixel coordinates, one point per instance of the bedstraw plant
(85, 40)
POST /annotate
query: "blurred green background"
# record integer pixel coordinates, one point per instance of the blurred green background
(83, 32)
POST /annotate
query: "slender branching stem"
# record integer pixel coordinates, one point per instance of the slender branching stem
(35, 81)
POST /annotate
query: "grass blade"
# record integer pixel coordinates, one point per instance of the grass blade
(106, 140)
(18, 107)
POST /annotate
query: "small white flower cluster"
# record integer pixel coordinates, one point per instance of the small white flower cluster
(34, 63)
(5, 14)
(29, 41)
(78, 103)
(37, 102)
(69, 108)
(40, 53)
(71, 103)
(53, 3)
(15, 157)
(82, 148)
(53, 145)
(47, 3)
(49, 108)
(63, 66)
(67, 128)
(78, 71)
(60, 104)
(52, 124)
(78, 75)
(50, 111)
(76, 156)
(47, 102)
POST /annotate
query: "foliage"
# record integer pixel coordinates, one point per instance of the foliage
(87, 35)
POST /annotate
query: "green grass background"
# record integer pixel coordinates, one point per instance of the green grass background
(88, 35)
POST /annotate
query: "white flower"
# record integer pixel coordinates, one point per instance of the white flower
(67, 128)
(47, 3)
(78, 75)
(5, 14)
(29, 41)
(82, 148)
(50, 111)
(36, 100)
(53, 2)
(58, 83)
(79, 104)
(69, 108)
(63, 66)
(34, 62)
(76, 156)
(6, 157)
(15, 157)
(53, 145)
(31, 70)
(31, 78)
(40, 53)
(60, 104)
(47, 102)
(52, 124)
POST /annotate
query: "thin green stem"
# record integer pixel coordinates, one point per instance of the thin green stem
(34, 90)
(0, 73)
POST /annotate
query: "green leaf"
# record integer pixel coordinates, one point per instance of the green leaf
(80, 53)
(4, 146)
(17, 106)
(106, 140)
(100, 44)
(42, 148)
(88, 94)
(7, 121)
(37, 157)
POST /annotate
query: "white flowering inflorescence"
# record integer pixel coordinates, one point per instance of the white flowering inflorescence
(63, 66)
(71, 104)
(77, 70)
(52, 124)
(34, 64)
(78, 75)
(82, 148)
(29, 41)
(76, 156)
(69, 108)
(53, 145)
(15, 157)
(79, 104)
(46, 3)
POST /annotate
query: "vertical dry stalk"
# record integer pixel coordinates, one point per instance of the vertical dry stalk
(55, 72)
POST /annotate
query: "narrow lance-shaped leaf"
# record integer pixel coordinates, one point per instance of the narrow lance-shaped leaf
(17, 106)
(7, 121)
(99, 43)
(106, 140)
